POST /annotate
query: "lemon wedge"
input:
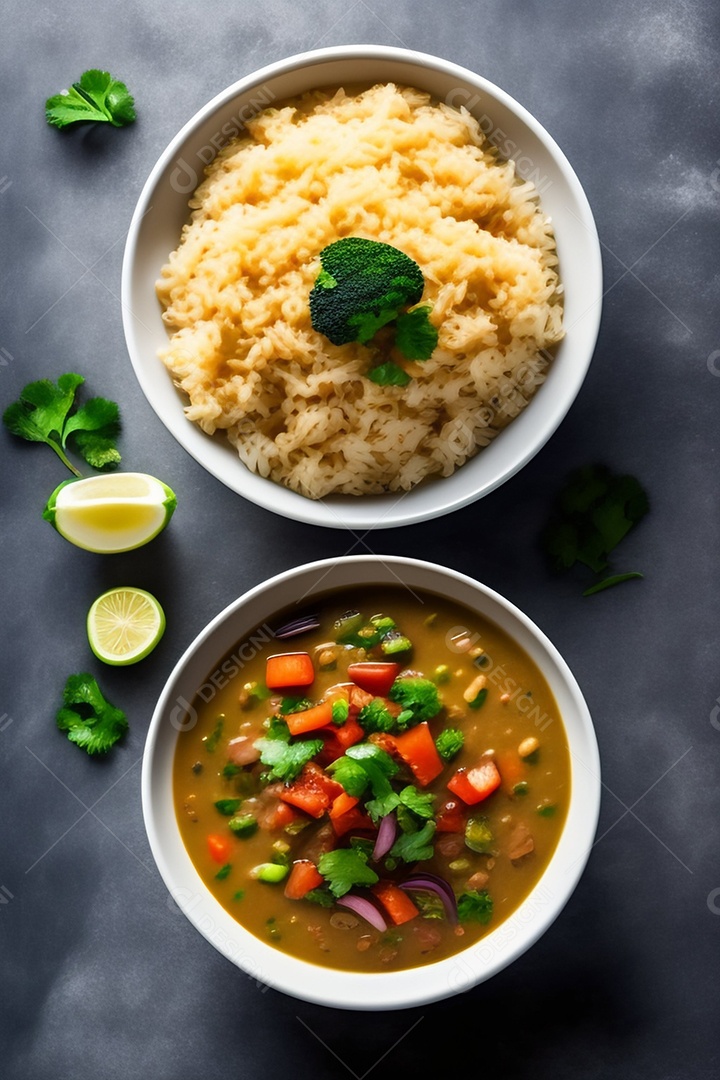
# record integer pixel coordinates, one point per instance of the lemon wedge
(111, 513)
(124, 625)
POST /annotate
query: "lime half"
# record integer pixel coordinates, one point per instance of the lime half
(111, 513)
(124, 625)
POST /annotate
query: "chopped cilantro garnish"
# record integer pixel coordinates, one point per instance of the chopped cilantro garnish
(293, 705)
(285, 756)
(244, 825)
(215, 735)
(415, 846)
(480, 698)
(224, 872)
(321, 896)
(89, 720)
(375, 717)
(420, 802)
(417, 694)
(227, 807)
(416, 337)
(345, 867)
(42, 414)
(474, 906)
(388, 374)
(593, 513)
(231, 769)
(449, 743)
(96, 97)
(351, 775)
(367, 765)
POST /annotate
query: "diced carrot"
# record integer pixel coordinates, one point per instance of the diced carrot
(512, 769)
(474, 785)
(313, 791)
(451, 817)
(220, 847)
(354, 818)
(289, 669)
(417, 749)
(310, 719)
(376, 678)
(349, 733)
(304, 876)
(342, 804)
(396, 902)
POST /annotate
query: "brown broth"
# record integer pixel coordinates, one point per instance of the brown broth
(307, 930)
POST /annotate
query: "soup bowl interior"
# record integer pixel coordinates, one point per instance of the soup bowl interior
(349, 989)
(162, 210)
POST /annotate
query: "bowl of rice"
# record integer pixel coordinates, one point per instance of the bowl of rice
(228, 242)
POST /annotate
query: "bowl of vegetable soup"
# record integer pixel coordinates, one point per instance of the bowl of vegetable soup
(371, 783)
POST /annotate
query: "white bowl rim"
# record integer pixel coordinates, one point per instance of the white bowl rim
(414, 986)
(403, 508)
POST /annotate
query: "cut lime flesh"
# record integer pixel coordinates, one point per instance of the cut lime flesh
(124, 625)
(113, 513)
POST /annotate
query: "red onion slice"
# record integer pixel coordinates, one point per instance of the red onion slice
(386, 836)
(438, 886)
(365, 909)
(298, 626)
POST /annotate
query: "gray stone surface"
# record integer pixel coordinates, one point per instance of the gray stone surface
(101, 978)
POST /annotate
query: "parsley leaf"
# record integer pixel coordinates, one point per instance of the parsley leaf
(420, 802)
(592, 514)
(474, 906)
(415, 846)
(350, 774)
(88, 718)
(388, 374)
(42, 414)
(345, 867)
(418, 695)
(286, 757)
(375, 717)
(97, 97)
(416, 337)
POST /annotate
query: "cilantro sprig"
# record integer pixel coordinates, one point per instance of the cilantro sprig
(44, 413)
(285, 756)
(96, 98)
(595, 511)
(88, 718)
(345, 867)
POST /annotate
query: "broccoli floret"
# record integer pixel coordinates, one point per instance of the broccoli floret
(363, 285)
(418, 695)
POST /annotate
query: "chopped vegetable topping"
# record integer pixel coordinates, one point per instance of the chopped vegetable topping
(475, 906)
(227, 806)
(286, 757)
(417, 694)
(449, 743)
(345, 867)
(245, 825)
(415, 847)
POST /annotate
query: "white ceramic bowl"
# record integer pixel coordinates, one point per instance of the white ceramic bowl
(351, 990)
(162, 210)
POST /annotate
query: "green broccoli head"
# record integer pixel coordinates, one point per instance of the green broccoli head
(363, 285)
(418, 695)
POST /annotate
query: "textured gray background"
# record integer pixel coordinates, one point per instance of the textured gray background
(100, 976)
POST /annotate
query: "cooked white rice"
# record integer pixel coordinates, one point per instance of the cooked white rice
(389, 165)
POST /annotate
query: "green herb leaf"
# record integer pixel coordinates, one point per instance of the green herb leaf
(215, 735)
(224, 872)
(285, 756)
(416, 337)
(593, 513)
(388, 374)
(345, 867)
(608, 582)
(474, 906)
(449, 743)
(294, 704)
(42, 414)
(417, 694)
(89, 720)
(415, 847)
(422, 803)
(97, 97)
(227, 807)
